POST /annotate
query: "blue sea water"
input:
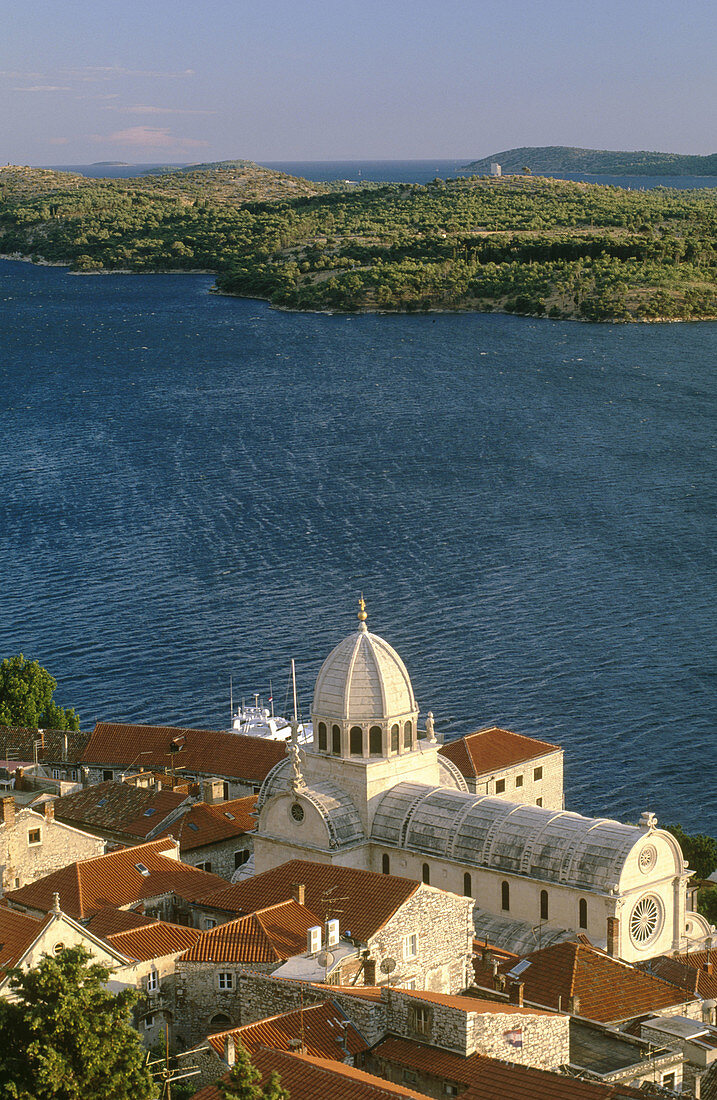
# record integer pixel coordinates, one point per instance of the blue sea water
(196, 486)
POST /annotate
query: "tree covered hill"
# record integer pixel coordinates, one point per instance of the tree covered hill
(549, 160)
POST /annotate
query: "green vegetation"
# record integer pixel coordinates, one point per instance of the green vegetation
(243, 1081)
(522, 245)
(551, 159)
(66, 1037)
(699, 850)
(26, 691)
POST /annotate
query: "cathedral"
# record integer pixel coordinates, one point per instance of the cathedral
(369, 792)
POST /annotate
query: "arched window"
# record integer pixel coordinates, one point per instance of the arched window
(505, 896)
(583, 907)
(394, 737)
(543, 904)
(356, 741)
(322, 737)
(375, 741)
(336, 740)
(467, 886)
(219, 1022)
(385, 864)
(407, 735)
(426, 874)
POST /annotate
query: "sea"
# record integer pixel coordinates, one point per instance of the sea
(196, 489)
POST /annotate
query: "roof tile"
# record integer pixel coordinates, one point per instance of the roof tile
(493, 748)
(207, 824)
(269, 935)
(153, 941)
(324, 1029)
(118, 807)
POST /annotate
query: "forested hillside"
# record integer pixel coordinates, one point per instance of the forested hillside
(554, 159)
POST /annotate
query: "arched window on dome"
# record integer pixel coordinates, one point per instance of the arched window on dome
(467, 886)
(322, 737)
(426, 874)
(543, 904)
(356, 741)
(505, 896)
(385, 864)
(375, 741)
(336, 740)
(407, 735)
(394, 737)
(583, 913)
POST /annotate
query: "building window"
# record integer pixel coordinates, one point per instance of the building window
(407, 735)
(537, 774)
(219, 1022)
(410, 984)
(385, 864)
(297, 812)
(226, 979)
(336, 740)
(543, 904)
(538, 802)
(152, 981)
(668, 1081)
(451, 1090)
(426, 874)
(419, 1019)
(467, 886)
(226, 792)
(148, 1022)
(583, 908)
(206, 866)
(356, 741)
(505, 896)
(499, 786)
(56, 773)
(322, 737)
(240, 858)
(210, 922)
(107, 775)
(410, 1077)
(58, 948)
(34, 836)
(410, 946)
(394, 737)
(519, 780)
(375, 741)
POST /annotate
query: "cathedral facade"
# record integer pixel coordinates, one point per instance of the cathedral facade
(370, 793)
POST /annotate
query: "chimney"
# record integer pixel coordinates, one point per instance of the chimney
(369, 972)
(515, 994)
(708, 966)
(64, 746)
(49, 808)
(212, 791)
(230, 1054)
(574, 1006)
(7, 811)
(613, 936)
(298, 892)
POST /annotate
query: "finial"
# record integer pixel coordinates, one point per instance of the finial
(362, 615)
(55, 904)
(430, 728)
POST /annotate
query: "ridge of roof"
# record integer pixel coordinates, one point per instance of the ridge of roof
(493, 747)
(312, 1023)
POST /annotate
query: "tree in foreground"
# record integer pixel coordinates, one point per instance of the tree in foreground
(67, 1037)
(26, 691)
(243, 1081)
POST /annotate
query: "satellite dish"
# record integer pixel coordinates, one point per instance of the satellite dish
(325, 959)
(387, 966)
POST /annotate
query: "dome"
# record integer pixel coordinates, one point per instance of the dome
(363, 678)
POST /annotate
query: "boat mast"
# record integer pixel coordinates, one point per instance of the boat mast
(231, 702)
(293, 682)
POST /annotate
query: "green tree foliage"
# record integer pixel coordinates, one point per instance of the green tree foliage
(66, 1037)
(243, 1081)
(699, 850)
(26, 691)
(707, 903)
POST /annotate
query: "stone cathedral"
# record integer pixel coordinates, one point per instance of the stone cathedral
(370, 793)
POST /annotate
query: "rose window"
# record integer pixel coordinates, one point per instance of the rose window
(645, 920)
(647, 858)
(297, 811)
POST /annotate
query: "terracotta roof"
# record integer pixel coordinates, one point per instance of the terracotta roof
(608, 990)
(492, 749)
(118, 807)
(153, 941)
(205, 752)
(270, 935)
(205, 824)
(474, 1004)
(106, 922)
(367, 899)
(489, 1078)
(688, 971)
(325, 1030)
(116, 880)
(17, 932)
(51, 748)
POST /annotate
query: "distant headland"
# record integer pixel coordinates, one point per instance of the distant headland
(550, 160)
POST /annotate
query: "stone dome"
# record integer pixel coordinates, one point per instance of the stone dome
(363, 679)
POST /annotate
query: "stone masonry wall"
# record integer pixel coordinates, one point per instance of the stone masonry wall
(520, 784)
(24, 858)
(221, 855)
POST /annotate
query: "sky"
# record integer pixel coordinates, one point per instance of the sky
(268, 80)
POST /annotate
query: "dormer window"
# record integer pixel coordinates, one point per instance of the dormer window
(142, 869)
(148, 812)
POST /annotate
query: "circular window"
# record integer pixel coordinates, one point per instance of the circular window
(647, 858)
(645, 920)
(58, 948)
(297, 811)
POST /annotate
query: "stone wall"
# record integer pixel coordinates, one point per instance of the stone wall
(221, 855)
(25, 858)
(520, 783)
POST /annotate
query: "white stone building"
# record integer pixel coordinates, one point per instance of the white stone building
(369, 793)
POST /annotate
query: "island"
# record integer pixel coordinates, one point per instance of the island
(552, 160)
(518, 244)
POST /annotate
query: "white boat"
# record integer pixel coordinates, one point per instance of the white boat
(260, 721)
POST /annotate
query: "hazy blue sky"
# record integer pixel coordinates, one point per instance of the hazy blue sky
(146, 80)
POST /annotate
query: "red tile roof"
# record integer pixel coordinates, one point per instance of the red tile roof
(608, 990)
(473, 1004)
(325, 1030)
(20, 741)
(208, 824)
(695, 973)
(116, 880)
(204, 752)
(153, 941)
(17, 932)
(118, 808)
(492, 749)
(270, 935)
(366, 899)
(106, 922)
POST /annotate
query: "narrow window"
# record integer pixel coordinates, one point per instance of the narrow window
(426, 874)
(336, 740)
(240, 858)
(356, 741)
(583, 913)
(499, 786)
(152, 981)
(206, 866)
(375, 741)
(467, 886)
(226, 792)
(407, 735)
(505, 896)
(538, 802)
(543, 904)
(385, 864)
(410, 946)
(537, 774)
(148, 1022)
(322, 737)
(519, 780)
(394, 737)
